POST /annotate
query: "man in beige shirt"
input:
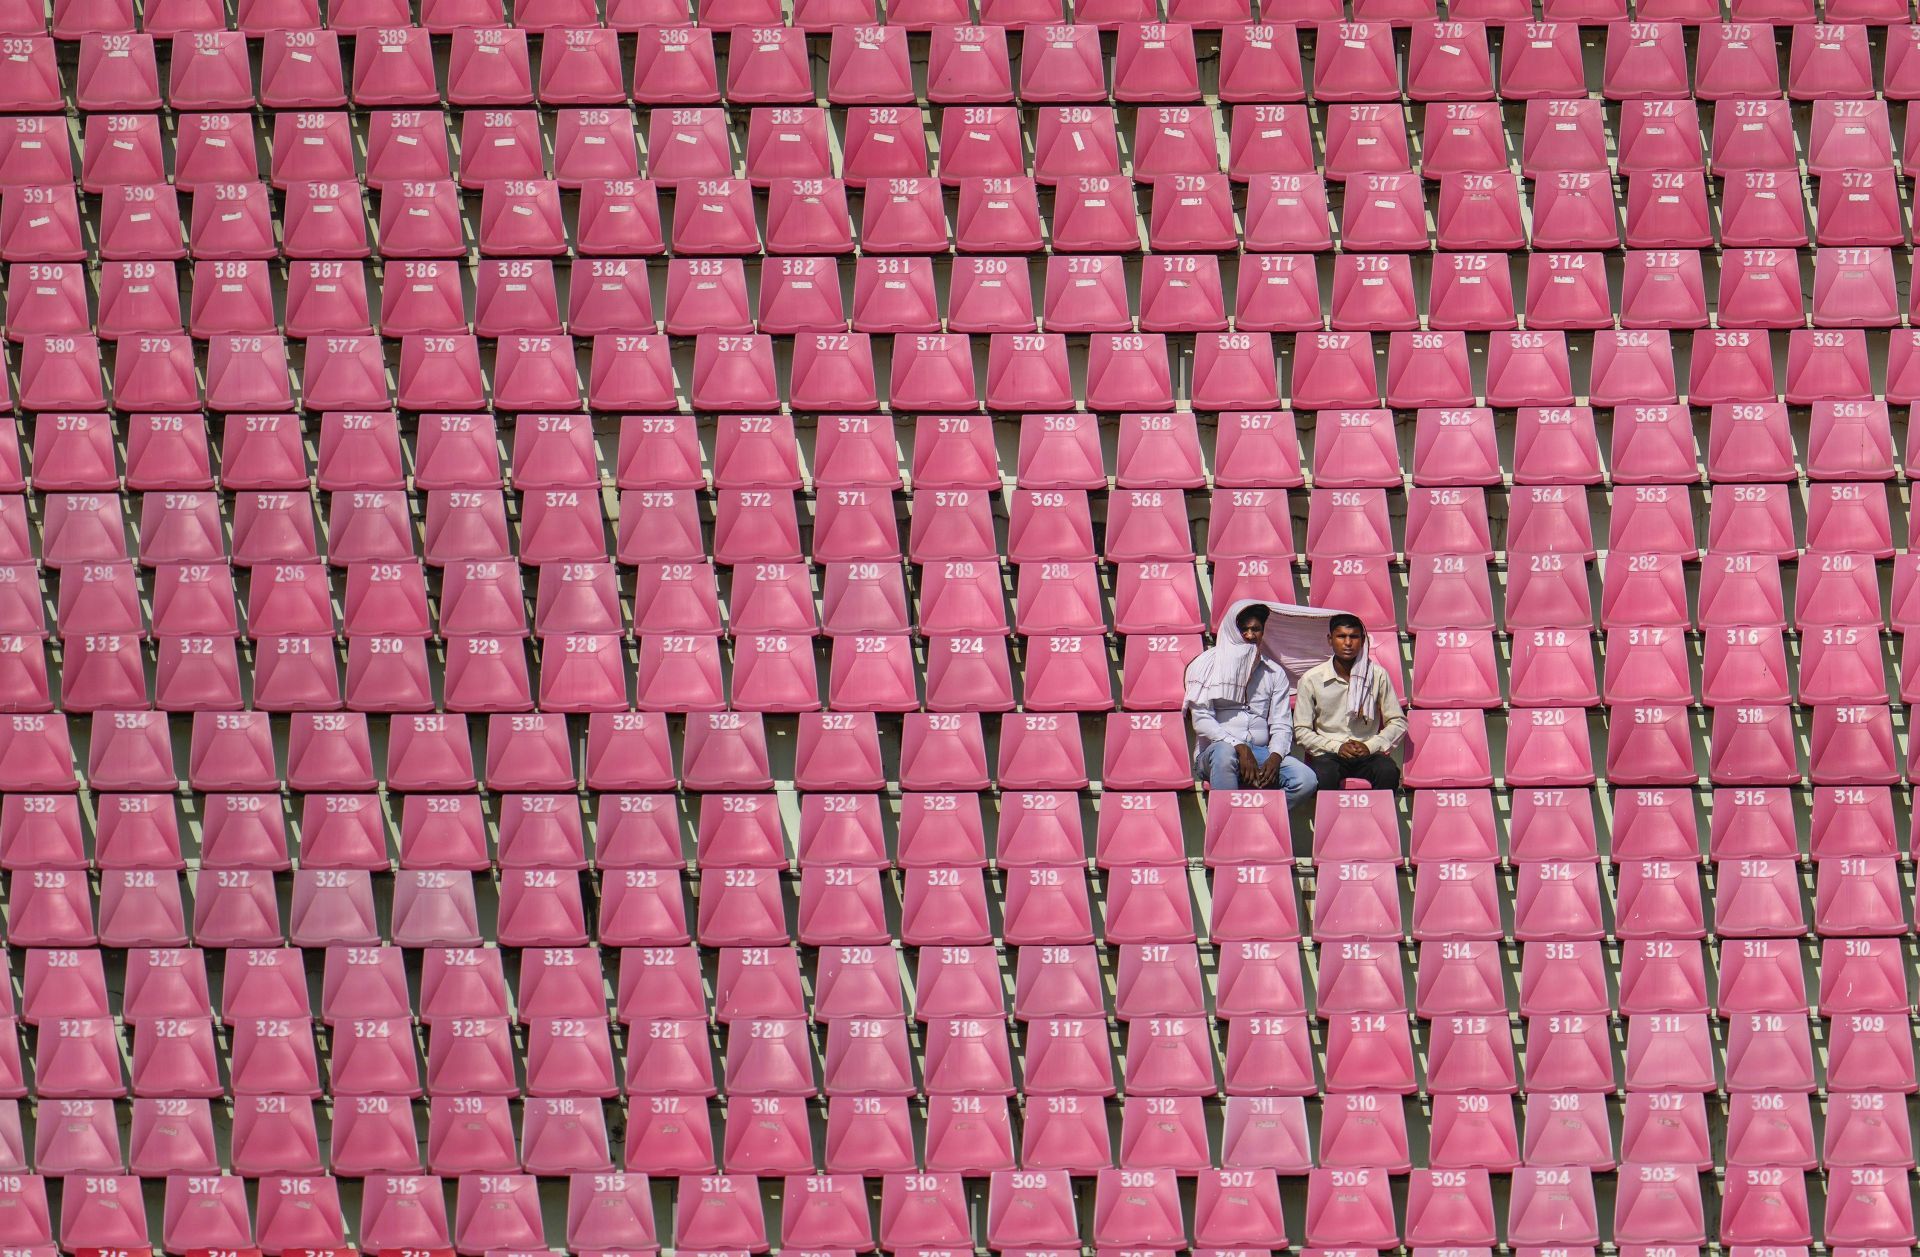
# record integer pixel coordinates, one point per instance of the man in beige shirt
(1346, 718)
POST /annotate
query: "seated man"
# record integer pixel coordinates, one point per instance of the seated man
(1239, 697)
(1346, 716)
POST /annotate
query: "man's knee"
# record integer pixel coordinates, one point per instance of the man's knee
(1223, 768)
(1298, 780)
(1382, 772)
(1331, 772)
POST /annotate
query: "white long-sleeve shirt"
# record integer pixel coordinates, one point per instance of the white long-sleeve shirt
(1265, 719)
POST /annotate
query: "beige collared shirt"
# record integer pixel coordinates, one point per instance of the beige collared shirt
(1321, 724)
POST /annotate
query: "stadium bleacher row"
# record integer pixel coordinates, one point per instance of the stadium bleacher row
(595, 595)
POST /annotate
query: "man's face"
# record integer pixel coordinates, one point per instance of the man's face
(1347, 643)
(1251, 631)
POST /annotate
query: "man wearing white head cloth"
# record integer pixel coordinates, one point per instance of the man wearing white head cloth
(1346, 717)
(1240, 701)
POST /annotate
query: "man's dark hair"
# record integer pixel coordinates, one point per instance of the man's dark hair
(1256, 614)
(1344, 620)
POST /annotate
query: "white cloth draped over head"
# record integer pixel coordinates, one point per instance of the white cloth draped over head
(1296, 639)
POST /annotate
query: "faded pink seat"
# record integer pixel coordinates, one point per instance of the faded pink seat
(1531, 369)
(1645, 60)
(1477, 211)
(1362, 139)
(1854, 288)
(1756, 291)
(1550, 747)
(1667, 209)
(980, 142)
(1857, 208)
(434, 202)
(1575, 210)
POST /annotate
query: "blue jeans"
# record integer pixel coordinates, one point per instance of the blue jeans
(1222, 765)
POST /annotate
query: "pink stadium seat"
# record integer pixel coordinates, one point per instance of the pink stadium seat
(327, 297)
(580, 66)
(1849, 440)
(1269, 139)
(1155, 62)
(1755, 213)
(1192, 211)
(140, 223)
(1181, 293)
(788, 144)
(776, 73)
(1567, 291)
(516, 296)
(1860, 1133)
(1848, 518)
(1448, 591)
(1036, 1210)
(1086, 294)
(82, 528)
(1855, 207)
(1360, 66)
(1387, 216)
(311, 147)
(1849, 135)
(1757, 291)
(1667, 209)
(1660, 135)
(407, 146)
(882, 143)
(1575, 210)
(129, 304)
(1359, 1211)
(1736, 61)
(401, 75)
(1373, 293)
(1447, 521)
(981, 142)
(300, 69)
(1367, 138)
(1544, 60)
(578, 132)
(1279, 292)
(1288, 212)
(1464, 136)
(1653, 445)
(489, 66)
(56, 303)
(39, 223)
(1645, 60)
(867, 65)
(1428, 369)
(434, 202)
(1562, 137)
(1579, 1137)
(707, 295)
(496, 144)
(505, 203)
(38, 89)
(1827, 366)
(1063, 65)
(1478, 211)
(38, 155)
(1449, 61)
(910, 218)
(1827, 62)
(1854, 288)
(969, 65)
